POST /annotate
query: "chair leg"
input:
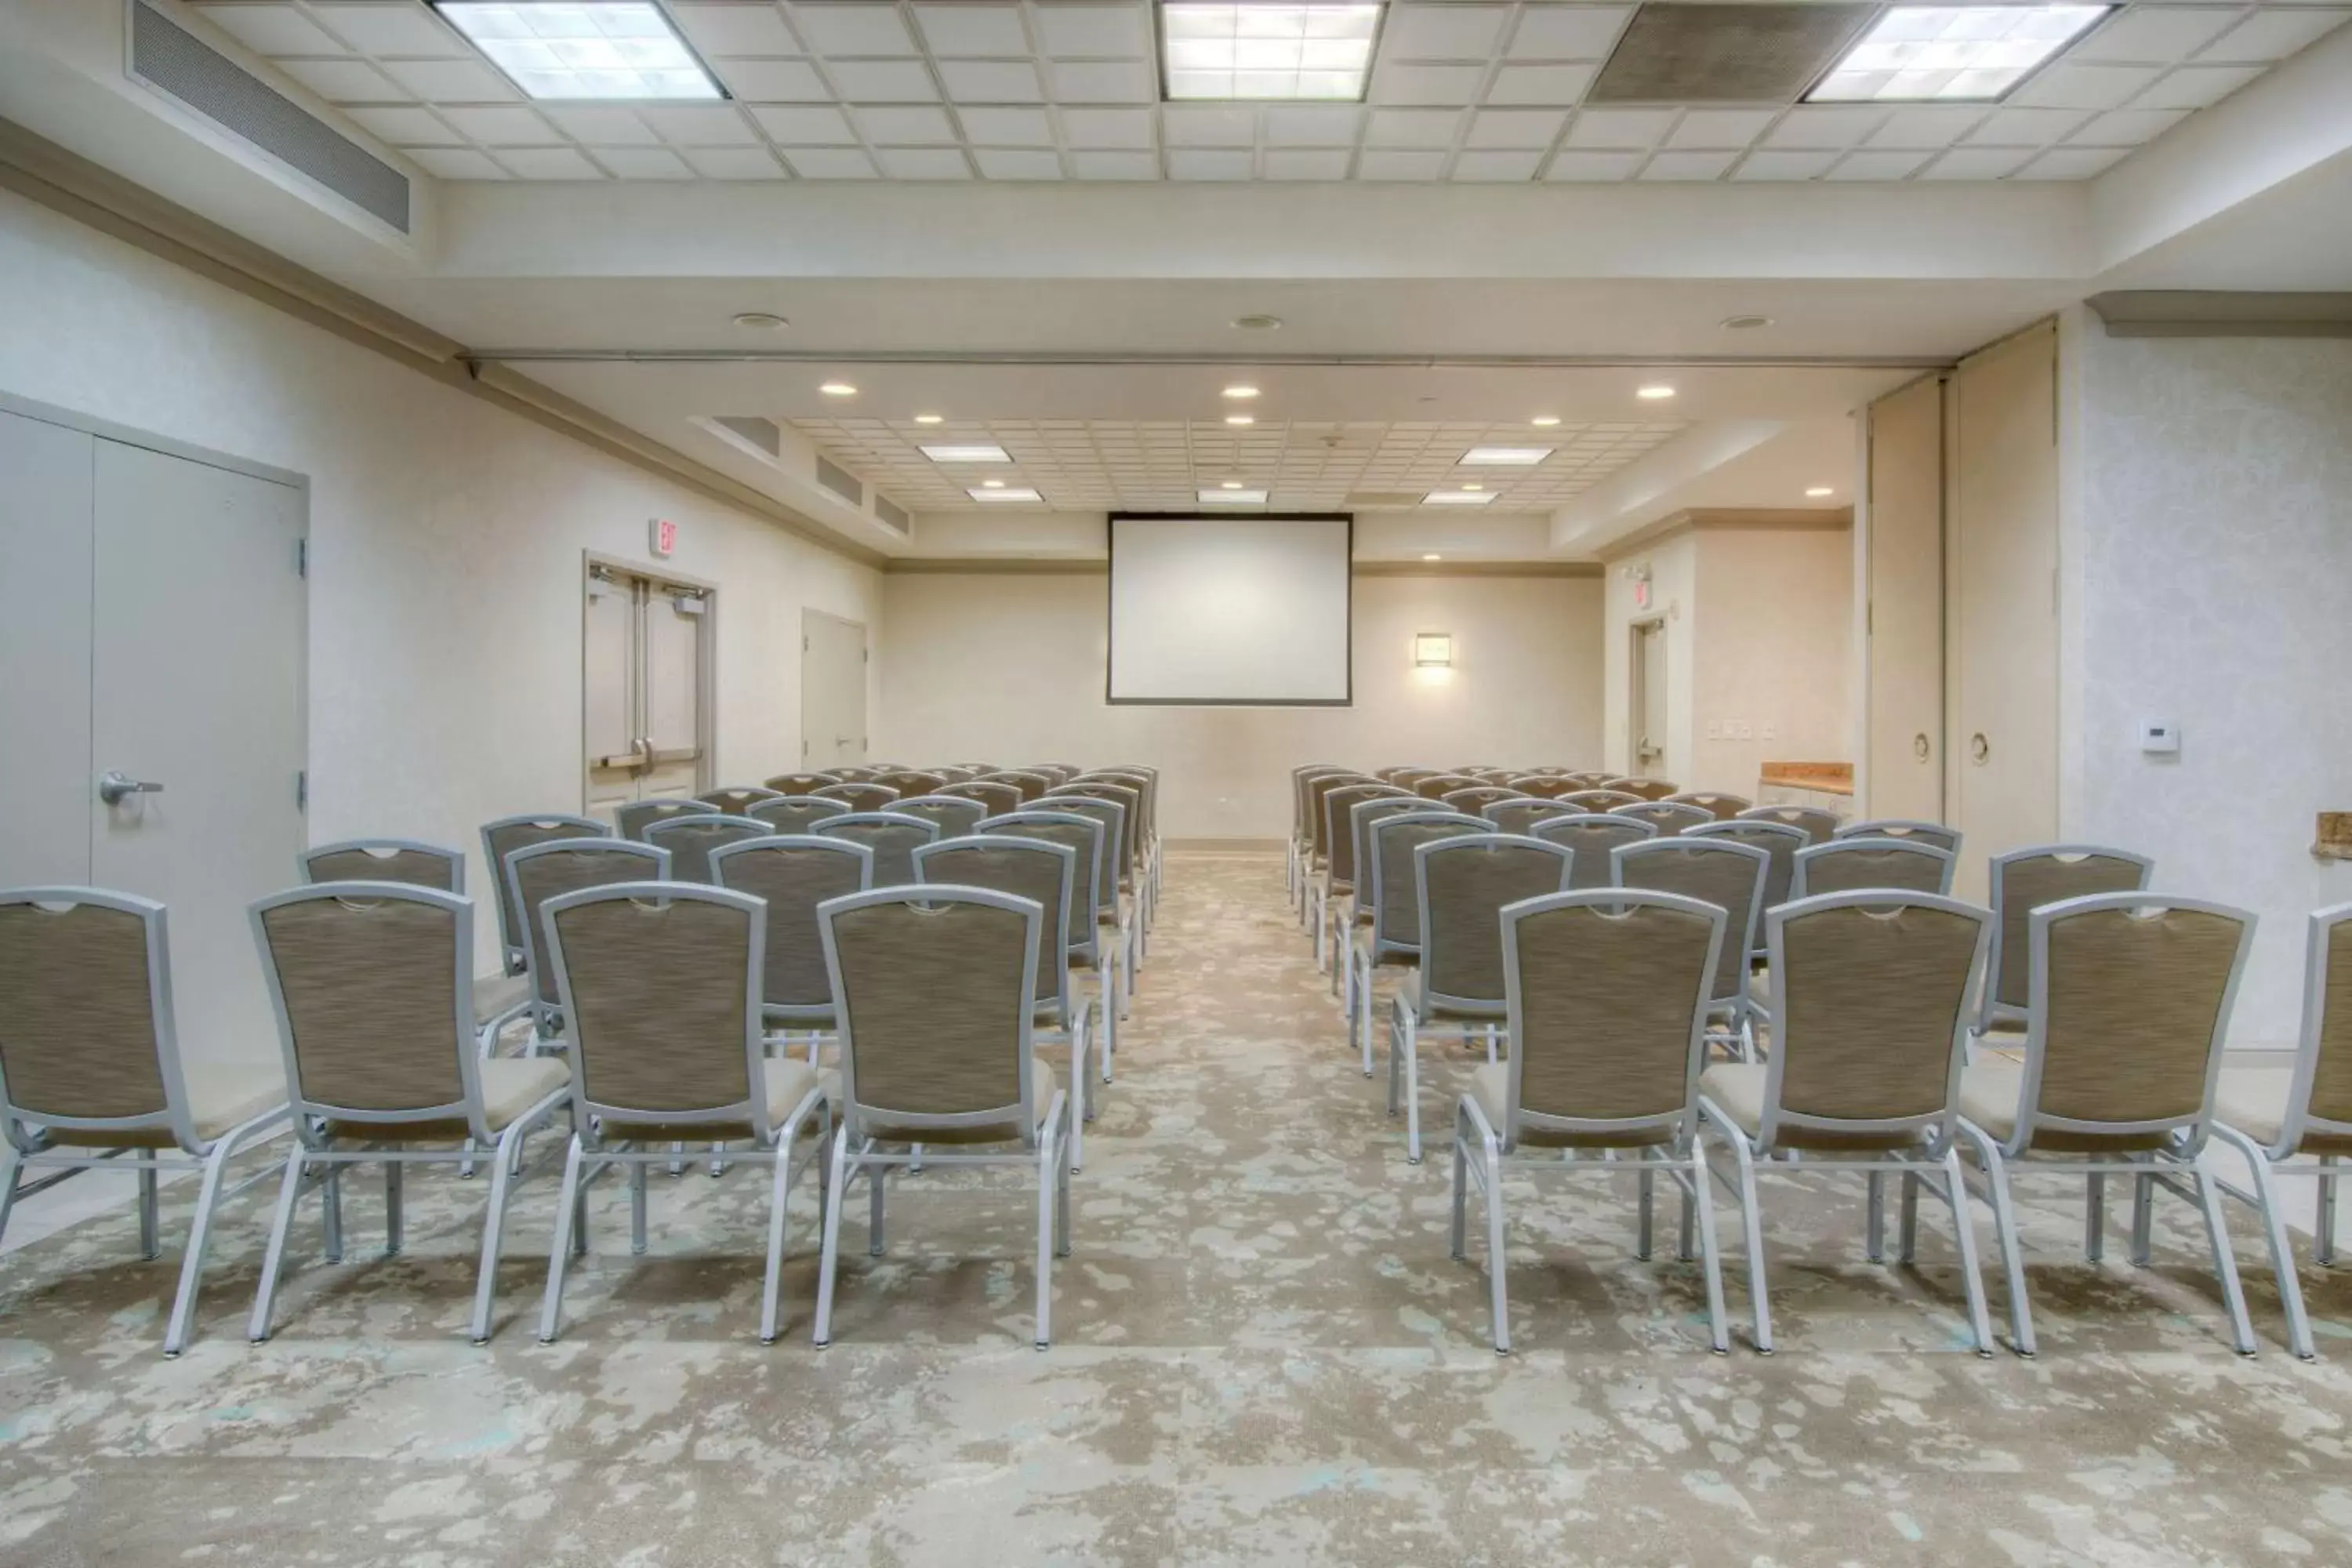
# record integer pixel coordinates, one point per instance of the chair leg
(559, 1256)
(11, 1163)
(2094, 1218)
(1642, 1235)
(2143, 1221)
(1701, 1199)
(1497, 1263)
(1459, 1207)
(2012, 1253)
(290, 1193)
(1965, 1232)
(330, 1217)
(192, 1265)
(1683, 1253)
(1110, 1002)
(1049, 1154)
(780, 1192)
(1408, 1029)
(2324, 1250)
(494, 1224)
(874, 1181)
(151, 1242)
(1752, 1224)
(637, 1208)
(2225, 1262)
(1062, 1209)
(394, 1230)
(1907, 1224)
(1874, 1236)
(830, 1256)
(2282, 1245)
(1364, 1014)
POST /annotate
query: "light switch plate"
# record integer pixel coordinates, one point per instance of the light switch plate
(1714, 730)
(2159, 737)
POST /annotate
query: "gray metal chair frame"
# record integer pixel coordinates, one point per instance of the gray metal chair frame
(1294, 865)
(1146, 783)
(911, 782)
(1722, 807)
(799, 784)
(887, 871)
(1831, 868)
(1779, 840)
(1643, 788)
(1596, 800)
(1903, 829)
(690, 841)
(409, 860)
(1030, 785)
(1818, 826)
(862, 795)
(2004, 973)
(330, 1136)
(1930, 1154)
(957, 814)
(502, 838)
(632, 817)
(592, 1152)
(1518, 814)
(1670, 817)
(1667, 1140)
(1087, 917)
(1112, 907)
(2171, 1165)
(1382, 942)
(857, 1152)
(1361, 814)
(1732, 997)
(36, 1136)
(793, 814)
(1577, 831)
(1134, 877)
(1331, 885)
(647, 861)
(737, 800)
(808, 1013)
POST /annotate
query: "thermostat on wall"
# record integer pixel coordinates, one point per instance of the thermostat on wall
(2159, 737)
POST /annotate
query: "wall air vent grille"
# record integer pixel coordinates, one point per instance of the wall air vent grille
(841, 482)
(892, 513)
(1761, 52)
(168, 57)
(761, 433)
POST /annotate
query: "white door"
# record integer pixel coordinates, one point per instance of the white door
(1905, 697)
(1648, 706)
(45, 650)
(644, 723)
(833, 690)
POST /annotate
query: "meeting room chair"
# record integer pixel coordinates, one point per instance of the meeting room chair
(2128, 1000)
(1474, 800)
(92, 1074)
(2298, 1122)
(938, 988)
(1400, 776)
(632, 818)
(860, 794)
(1779, 841)
(893, 840)
(663, 986)
(1517, 813)
(1869, 1018)
(1730, 876)
(1592, 838)
(370, 983)
(793, 813)
(1314, 848)
(1435, 787)
(1356, 914)
(995, 798)
(691, 839)
(419, 865)
(502, 838)
(737, 800)
(1596, 800)
(1091, 941)
(792, 874)
(1337, 887)
(1460, 886)
(1605, 999)
(1722, 807)
(1549, 786)
(800, 783)
(911, 782)
(539, 872)
(1146, 782)
(1668, 816)
(954, 774)
(956, 815)
(1115, 910)
(1132, 877)
(2022, 881)
(1851, 865)
(1935, 833)
(1642, 788)
(1817, 825)
(1030, 785)
(1391, 940)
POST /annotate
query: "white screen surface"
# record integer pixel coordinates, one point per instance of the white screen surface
(1229, 609)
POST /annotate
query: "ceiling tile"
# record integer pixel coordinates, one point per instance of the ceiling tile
(734, 163)
(1785, 166)
(811, 127)
(1568, 32)
(1593, 166)
(1002, 163)
(450, 81)
(829, 162)
(1411, 127)
(644, 163)
(1925, 126)
(1006, 127)
(700, 125)
(1304, 163)
(1426, 84)
(403, 127)
(505, 127)
(2274, 33)
(392, 30)
(1113, 82)
(457, 164)
(1442, 32)
(774, 81)
(2153, 35)
(1378, 166)
(2128, 127)
(1620, 127)
(924, 164)
(968, 30)
(1198, 163)
(2069, 85)
(603, 127)
(883, 81)
(991, 81)
(1558, 87)
(734, 28)
(1219, 125)
(905, 127)
(2073, 163)
(2024, 127)
(1497, 167)
(548, 163)
(1099, 32)
(1516, 127)
(1976, 163)
(1809, 126)
(343, 81)
(1312, 125)
(272, 29)
(2195, 87)
(1688, 165)
(1879, 165)
(1107, 127)
(1115, 165)
(855, 29)
(1721, 127)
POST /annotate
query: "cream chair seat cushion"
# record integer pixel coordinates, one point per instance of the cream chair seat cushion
(1989, 1092)
(495, 993)
(1043, 1086)
(227, 1095)
(2253, 1101)
(513, 1085)
(1490, 1086)
(1409, 992)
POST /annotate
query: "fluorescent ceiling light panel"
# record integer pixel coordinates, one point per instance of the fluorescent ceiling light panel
(583, 51)
(1457, 498)
(1028, 497)
(1952, 53)
(1322, 49)
(1232, 497)
(1505, 457)
(979, 452)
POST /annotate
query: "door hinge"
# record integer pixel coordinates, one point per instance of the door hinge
(804, 645)
(301, 558)
(302, 790)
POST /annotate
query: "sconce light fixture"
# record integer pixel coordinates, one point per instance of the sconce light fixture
(1433, 651)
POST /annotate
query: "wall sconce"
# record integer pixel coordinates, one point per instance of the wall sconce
(1433, 651)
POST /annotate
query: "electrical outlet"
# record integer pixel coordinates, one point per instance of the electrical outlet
(1747, 730)
(1714, 730)
(1770, 733)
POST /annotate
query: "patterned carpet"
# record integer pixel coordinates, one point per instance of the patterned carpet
(1264, 1355)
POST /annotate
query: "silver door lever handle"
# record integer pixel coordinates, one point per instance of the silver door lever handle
(112, 786)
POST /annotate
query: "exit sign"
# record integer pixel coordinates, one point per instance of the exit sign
(665, 537)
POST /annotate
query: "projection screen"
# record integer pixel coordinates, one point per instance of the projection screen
(1230, 610)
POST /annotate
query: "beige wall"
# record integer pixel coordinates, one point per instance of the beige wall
(1673, 565)
(1007, 668)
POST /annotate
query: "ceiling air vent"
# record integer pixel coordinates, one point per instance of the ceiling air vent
(1742, 53)
(755, 431)
(1383, 501)
(892, 513)
(841, 482)
(169, 57)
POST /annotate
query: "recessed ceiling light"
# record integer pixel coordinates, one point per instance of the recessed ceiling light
(1232, 497)
(1505, 457)
(1952, 53)
(993, 497)
(1656, 394)
(929, 418)
(1318, 49)
(1457, 498)
(1821, 490)
(1240, 392)
(1258, 323)
(991, 484)
(1240, 419)
(583, 50)
(976, 452)
(763, 321)
(1745, 323)
(1230, 485)
(1544, 421)
(838, 389)
(1433, 558)
(1473, 487)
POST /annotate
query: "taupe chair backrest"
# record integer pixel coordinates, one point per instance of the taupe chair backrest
(892, 837)
(956, 815)
(1144, 781)
(1668, 816)
(1607, 993)
(938, 989)
(978, 769)
(1299, 778)
(2022, 881)
(1819, 826)
(502, 838)
(737, 800)
(2129, 995)
(1476, 798)
(1361, 816)
(956, 774)
(1729, 876)
(1340, 823)
(800, 783)
(1060, 773)
(1404, 777)
(1779, 840)
(2318, 1118)
(1085, 836)
(1549, 786)
(1037, 870)
(372, 987)
(1131, 828)
(86, 1029)
(1319, 820)
(1460, 885)
(1437, 786)
(1592, 837)
(860, 794)
(1935, 833)
(544, 871)
(796, 813)
(995, 798)
(912, 782)
(1851, 865)
(1640, 788)
(1396, 893)
(691, 839)
(1870, 995)
(1518, 813)
(856, 772)
(1111, 817)
(1722, 807)
(661, 987)
(794, 873)
(1595, 800)
(386, 861)
(632, 818)
(1030, 785)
